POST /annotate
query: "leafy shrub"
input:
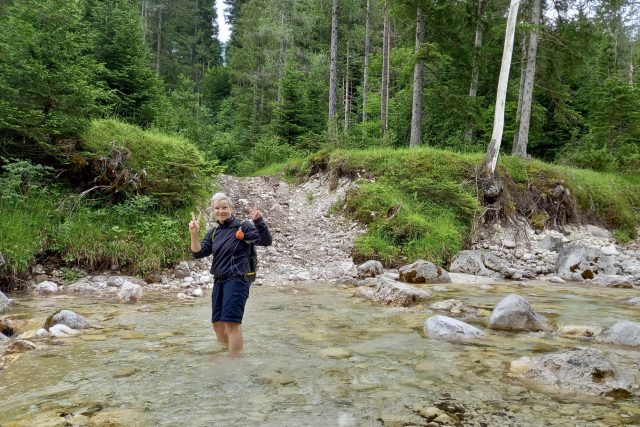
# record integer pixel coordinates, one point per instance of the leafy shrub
(18, 178)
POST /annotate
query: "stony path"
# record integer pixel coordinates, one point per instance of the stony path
(308, 243)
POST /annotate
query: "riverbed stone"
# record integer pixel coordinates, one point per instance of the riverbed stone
(46, 288)
(61, 331)
(5, 302)
(182, 270)
(68, 318)
(423, 272)
(86, 286)
(582, 262)
(400, 294)
(551, 243)
(583, 370)
(614, 281)
(625, 333)
(371, 268)
(129, 293)
(20, 346)
(468, 262)
(598, 231)
(514, 313)
(450, 329)
(579, 331)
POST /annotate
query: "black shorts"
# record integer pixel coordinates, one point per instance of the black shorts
(228, 299)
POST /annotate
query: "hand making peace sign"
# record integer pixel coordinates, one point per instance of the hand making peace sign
(194, 224)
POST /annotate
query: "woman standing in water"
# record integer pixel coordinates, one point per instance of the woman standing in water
(228, 241)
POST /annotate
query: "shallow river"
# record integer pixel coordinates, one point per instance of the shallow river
(314, 356)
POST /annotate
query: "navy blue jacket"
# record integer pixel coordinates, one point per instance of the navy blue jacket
(230, 255)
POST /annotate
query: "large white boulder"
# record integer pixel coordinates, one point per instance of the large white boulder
(68, 318)
(450, 329)
(514, 313)
(584, 370)
(625, 333)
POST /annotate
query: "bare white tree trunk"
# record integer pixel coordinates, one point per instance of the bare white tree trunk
(365, 78)
(333, 75)
(143, 21)
(520, 149)
(475, 66)
(491, 159)
(347, 99)
(418, 75)
(384, 86)
(523, 71)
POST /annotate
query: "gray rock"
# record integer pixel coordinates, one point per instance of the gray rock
(609, 250)
(129, 293)
(87, 287)
(68, 318)
(514, 313)
(400, 294)
(365, 292)
(468, 262)
(613, 281)
(451, 329)
(625, 333)
(598, 232)
(581, 262)
(509, 244)
(120, 281)
(38, 269)
(423, 272)
(634, 301)
(181, 270)
(584, 370)
(371, 268)
(46, 288)
(552, 243)
(556, 279)
(5, 302)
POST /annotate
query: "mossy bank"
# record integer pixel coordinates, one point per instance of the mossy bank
(426, 203)
(120, 201)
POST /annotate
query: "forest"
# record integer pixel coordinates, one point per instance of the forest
(113, 108)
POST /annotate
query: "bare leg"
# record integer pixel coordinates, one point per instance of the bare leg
(221, 333)
(234, 334)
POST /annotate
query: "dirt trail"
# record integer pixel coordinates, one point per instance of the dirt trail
(308, 243)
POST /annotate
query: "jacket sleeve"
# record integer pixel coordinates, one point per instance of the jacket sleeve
(205, 245)
(257, 233)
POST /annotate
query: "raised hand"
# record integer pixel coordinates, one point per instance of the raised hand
(255, 213)
(194, 224)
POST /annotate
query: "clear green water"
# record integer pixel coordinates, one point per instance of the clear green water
(157, 363)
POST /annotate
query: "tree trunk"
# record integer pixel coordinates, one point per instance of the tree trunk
(365, 78)
(159, 40)
(384, 86)
(346, 92)
(523, 72)
(282, 54)
(493, 150)
(475, 67)
(520, 149)
(143, 21)
(333, 76)
(418, 73)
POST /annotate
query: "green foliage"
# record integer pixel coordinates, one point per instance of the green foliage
(135, 88)
(48, 87)
(217, 87)
(176, 172)
(19, 178)
(136, 236)
(269, 150)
